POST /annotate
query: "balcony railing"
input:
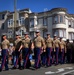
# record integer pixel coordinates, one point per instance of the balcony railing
(18, 25)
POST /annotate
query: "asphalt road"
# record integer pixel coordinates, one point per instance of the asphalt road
(66, 69)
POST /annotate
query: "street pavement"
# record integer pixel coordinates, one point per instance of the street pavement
(65, 69)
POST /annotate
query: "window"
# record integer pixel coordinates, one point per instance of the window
(56, 19)
(21, 21)
(32, 23)
(44, 33)
(71, 35)
(10, 32)
(2, 26)
(61, 18)
(64, 32)
(69, 23)
(40, 21)
(45, 22)
(56, 32)
(60, 32)
(10, 22)
(3, 16)
(72, 24)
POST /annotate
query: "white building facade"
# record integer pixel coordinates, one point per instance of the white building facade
(22, 23)
(56, 21)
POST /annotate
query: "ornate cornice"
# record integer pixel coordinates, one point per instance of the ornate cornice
(58, 9)
(70, 15)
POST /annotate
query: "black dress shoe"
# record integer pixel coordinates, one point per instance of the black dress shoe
(6, 69)
(0, 70)
(43, 65)
(13, 67)
(56, 64)
(20, 68)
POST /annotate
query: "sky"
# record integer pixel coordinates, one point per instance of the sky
(37, 5)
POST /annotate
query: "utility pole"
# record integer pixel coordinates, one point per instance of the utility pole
(15, 19)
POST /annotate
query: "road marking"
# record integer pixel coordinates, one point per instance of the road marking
(59, 70)
(67, 72)
(49, 72)
(69, 68)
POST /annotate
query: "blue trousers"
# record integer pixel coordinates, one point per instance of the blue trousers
(52, 56)
(56, 54)
(4, 59)
(48, 56)
(37, 52)
(16, 59)
(26, 53)
(62, 56)
(69, 55)
(43, 58)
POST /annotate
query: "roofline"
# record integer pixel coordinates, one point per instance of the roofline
(4, 11)
(20, 11)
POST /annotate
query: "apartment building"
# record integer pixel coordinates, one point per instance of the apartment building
(57, 21)
(22, 22)
(3, 22)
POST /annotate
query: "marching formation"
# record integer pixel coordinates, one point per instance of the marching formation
(47, 51)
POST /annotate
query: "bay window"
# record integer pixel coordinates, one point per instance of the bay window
(60, 32)
(58, 19)
(61, 18)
